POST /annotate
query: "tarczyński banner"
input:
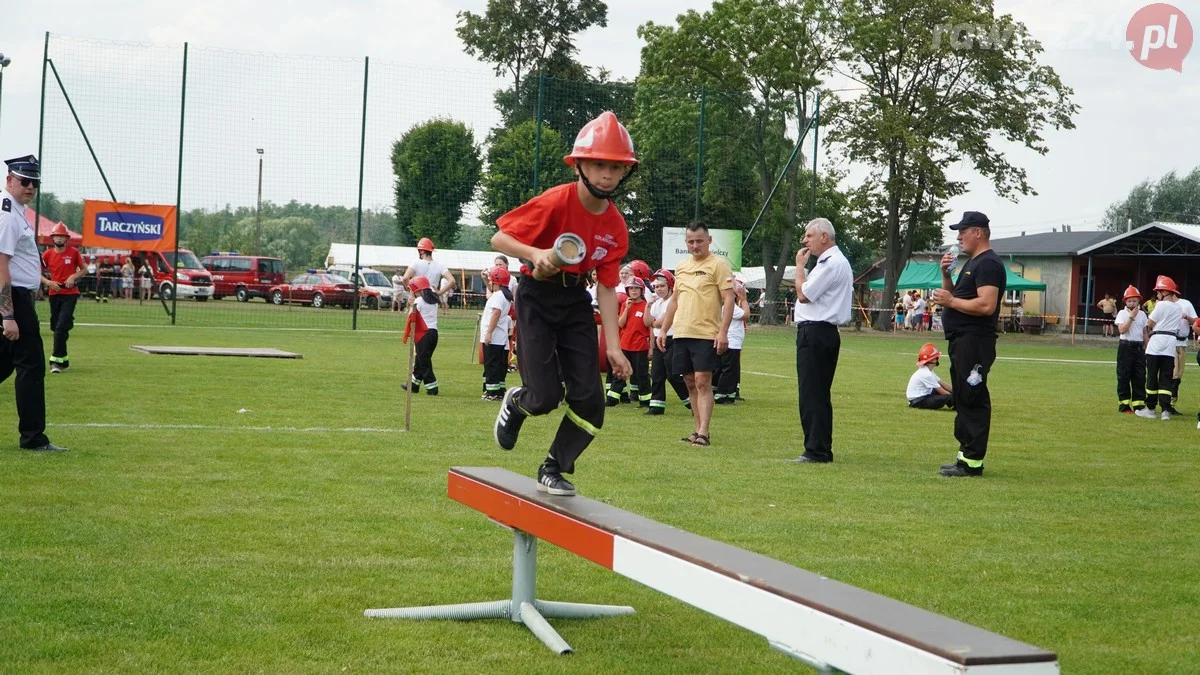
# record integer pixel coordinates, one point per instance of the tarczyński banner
(132, 227)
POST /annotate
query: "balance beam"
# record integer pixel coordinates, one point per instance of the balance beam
(825, 623)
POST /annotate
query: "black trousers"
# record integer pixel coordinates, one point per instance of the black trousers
(728, 375)
(972, 403)
(27, 358)
(932, 402)
(817, 347)
(495, 368)
(62, 320)
(660, 376)
(423, 363)
(1131, 373)
(639, 381)
(556, 336)
(1158, 381)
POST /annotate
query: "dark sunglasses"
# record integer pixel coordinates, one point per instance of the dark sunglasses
(26, 182)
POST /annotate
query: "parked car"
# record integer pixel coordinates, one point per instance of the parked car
(243, 276)
(368, 278)
(188, 277)
(317, 289)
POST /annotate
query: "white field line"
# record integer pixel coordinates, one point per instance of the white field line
(215, 427)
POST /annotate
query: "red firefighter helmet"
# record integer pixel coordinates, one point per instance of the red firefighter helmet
(928, 353)
(603, 138)
(426, 244)
(418, 284)
(500, 275)
(1132, 292)
(640, 269)
(667, 276)
(60, 230)
(636, 282)
(1165, 283)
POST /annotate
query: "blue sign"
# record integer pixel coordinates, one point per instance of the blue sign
(129, 226)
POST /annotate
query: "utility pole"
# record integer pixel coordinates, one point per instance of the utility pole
(4, 61)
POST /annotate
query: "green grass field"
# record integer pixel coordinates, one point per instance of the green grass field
(203, 541)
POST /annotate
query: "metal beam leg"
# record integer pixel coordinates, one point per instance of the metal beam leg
(523, 608)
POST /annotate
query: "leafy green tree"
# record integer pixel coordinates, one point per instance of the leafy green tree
(765, 58)
(944, 82)
(508, 182)
(437, 168)
(1171, 198)
(519, 37)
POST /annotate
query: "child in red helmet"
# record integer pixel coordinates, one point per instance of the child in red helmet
(424, 302)
(925, 389)
(1131, 354)
(494, 326)
(663, 282)
(556, 334)
(635, 344)
(1164, 328)
(65, 266)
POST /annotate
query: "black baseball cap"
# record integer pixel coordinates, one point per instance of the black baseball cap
(971, 219)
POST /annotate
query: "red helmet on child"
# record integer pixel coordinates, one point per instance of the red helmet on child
(500, 275)
(418, 284)
(928, 353)
(60, 230)
(1132, 292)
(640, 269)
(603, 138)
(666, 276)
(1165, 283)
(426, 244)
(635, 282)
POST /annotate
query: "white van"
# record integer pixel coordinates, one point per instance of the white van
(368, 278)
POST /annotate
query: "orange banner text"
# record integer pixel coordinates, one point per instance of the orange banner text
(133, 227)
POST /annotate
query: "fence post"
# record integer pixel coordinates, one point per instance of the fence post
(179, 187)
(362, 150)
(537, 134)
(42, 123)
(816, 127)
(700, 152)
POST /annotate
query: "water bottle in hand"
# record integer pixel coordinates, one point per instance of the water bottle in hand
(955, 251)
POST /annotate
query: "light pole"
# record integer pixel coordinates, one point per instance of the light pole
(4, 61)
(258, 211)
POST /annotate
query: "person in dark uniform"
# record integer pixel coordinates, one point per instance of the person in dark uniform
(971, 307)
(823, 299)
(21, 349)
(556, 333)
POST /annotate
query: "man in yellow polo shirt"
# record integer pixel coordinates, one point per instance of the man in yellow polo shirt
(699, 314)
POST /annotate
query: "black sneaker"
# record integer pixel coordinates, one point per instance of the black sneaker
(654, 411)
(612, 402)
(1124, 409)
(431, 392)
(554, 483)
(508, 421)
(957, 470)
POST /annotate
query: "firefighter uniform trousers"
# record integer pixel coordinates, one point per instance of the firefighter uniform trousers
(495, 368)
(660, 376)
(639, 381)
(1158, 381)
(62, 320)
(817, 347)
(1131, 374)
(557, 336)
(423, 363)
(972, 404)
(728, 376)
(27, 357)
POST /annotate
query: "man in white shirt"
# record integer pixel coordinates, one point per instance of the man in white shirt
(1185, 329)
(918, 313)
(434, 271)
(908, 309)
(397, 291)
(925, 389)
(1163, 326)
(822, 304)
(1131, 354)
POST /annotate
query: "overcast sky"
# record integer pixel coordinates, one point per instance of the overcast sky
(287, 77)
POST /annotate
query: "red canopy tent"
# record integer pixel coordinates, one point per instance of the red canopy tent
(44, 225)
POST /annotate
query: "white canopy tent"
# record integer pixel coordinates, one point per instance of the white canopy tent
(756, 277)
(402, 256)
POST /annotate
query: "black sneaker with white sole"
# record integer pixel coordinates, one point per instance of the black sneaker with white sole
(508, 421)
(554, 483)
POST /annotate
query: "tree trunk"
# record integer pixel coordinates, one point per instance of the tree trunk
(893, 264)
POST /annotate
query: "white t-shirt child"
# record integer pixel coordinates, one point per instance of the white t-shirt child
(499, 336)
(922, 383)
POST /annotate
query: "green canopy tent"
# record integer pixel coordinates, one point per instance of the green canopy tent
(922, 275)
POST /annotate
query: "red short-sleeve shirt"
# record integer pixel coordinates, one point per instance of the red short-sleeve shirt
(540, 220)
(61, 266)
(635, 335)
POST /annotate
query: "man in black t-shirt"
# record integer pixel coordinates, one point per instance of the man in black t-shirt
(971, 307)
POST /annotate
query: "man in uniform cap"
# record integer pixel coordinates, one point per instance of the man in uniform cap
(20, 276)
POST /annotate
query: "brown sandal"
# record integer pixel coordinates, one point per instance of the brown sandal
(700, 441)
(690, 438)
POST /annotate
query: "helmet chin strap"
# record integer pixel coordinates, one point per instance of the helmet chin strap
(604, 194)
